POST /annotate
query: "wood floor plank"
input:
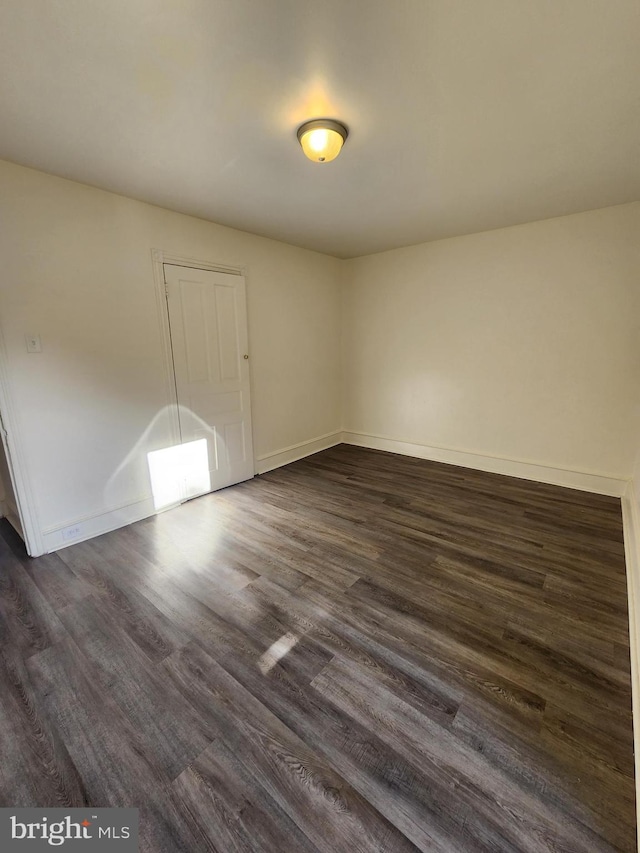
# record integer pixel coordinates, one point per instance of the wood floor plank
(36, 768)
(595, 800)
(474, 780)
(106, 750)
(230, 805)
(155, 634)
(171, 732)
(359, 651)
(369, 765)
(28, 624)
(317, 799)
(56, 581)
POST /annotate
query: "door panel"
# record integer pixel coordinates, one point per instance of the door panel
(208, 322)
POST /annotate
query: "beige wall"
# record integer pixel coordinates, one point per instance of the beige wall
(633, 492)
(521, 343)
(76, 269)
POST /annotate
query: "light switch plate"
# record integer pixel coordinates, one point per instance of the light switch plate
(33, 343)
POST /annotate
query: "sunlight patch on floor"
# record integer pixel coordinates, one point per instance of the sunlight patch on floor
(276, 652)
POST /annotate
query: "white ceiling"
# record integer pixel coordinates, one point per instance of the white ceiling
(465, 115)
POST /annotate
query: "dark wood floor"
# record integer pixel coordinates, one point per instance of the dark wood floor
(358, 652)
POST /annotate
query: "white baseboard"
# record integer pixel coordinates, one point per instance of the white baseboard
(95, 525)
(296, 451)
(54, 539)
(585, 482)
(631, 526)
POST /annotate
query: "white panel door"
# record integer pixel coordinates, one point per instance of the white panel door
(208, 323)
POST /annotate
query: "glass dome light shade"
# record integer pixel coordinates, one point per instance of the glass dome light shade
(322, 139)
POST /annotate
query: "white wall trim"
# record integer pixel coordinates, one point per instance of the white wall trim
(631, 527)
(159, 256)
(297, 451)
(28, 522)
(585, 482)
(95, 525)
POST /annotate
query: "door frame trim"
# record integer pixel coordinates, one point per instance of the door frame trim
(158, 259)
(17, 463)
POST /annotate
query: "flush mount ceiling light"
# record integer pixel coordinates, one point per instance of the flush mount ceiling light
(322, 139)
